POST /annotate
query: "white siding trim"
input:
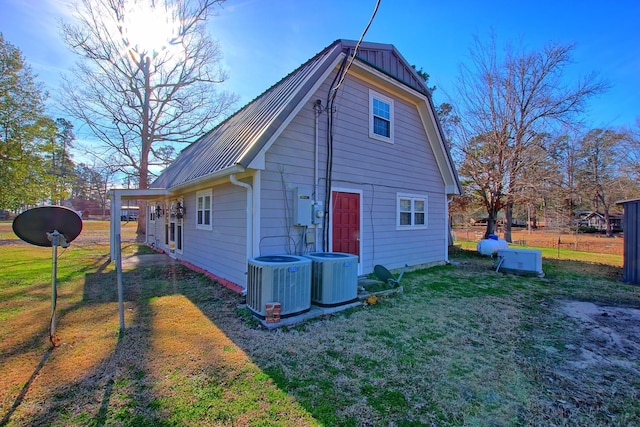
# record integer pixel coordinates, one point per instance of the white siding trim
(257, 195)
(179, 237)
(427, 115)
(447, 227)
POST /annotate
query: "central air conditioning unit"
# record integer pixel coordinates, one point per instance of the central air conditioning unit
(284, 279)
(334, 278)
(521, 261)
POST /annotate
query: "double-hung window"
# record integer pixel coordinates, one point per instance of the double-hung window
(412, 211)
(204, 204)
(380, 117)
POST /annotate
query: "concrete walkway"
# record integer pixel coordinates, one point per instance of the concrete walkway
(148, 260)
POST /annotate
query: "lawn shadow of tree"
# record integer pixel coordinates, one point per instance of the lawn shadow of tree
(123, 378)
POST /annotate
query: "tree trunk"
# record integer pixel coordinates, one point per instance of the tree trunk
(143, 170)
(508, 219)
(607, 221)
(491, 223)
(141, 229)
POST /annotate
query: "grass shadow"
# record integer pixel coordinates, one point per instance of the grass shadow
(116, 375)
(138, 380)
(23, 392)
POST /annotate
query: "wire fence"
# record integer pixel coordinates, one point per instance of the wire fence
(583, 242)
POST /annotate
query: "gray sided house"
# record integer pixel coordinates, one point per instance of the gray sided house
(345, 154)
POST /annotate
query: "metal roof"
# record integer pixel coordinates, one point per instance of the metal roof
(235, 142)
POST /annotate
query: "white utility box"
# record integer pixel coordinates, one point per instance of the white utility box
(302, 207)
(520, 261)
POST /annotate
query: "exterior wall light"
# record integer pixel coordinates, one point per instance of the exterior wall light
(180, 210)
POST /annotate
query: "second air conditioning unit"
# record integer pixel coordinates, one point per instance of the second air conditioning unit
(334, 278)
(284, 279)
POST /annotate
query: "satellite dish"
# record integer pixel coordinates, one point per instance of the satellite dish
(36, 225)
(49, 226)
(385, 275)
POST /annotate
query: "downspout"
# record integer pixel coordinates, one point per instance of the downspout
(249, 188)
(317, 108)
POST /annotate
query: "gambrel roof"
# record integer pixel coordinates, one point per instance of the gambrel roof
(236, 143)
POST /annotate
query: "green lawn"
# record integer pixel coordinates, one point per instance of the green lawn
(461, 346)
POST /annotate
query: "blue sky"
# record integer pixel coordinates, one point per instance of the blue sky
(264, 40)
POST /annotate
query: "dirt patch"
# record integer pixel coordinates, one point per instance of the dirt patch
(588, 364)
(609, 336)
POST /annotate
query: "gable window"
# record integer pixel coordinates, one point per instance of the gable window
(412, 211)
(380, 117)
(204, 203)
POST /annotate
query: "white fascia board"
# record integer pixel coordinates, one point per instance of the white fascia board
(210, 177)
(137, 193)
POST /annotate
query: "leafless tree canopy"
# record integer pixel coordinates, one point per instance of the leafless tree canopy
(508, 104)
(147, 76)
(597, 170)
(631, 151)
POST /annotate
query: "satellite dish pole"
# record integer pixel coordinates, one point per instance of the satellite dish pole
(56, 239)
(49, 226)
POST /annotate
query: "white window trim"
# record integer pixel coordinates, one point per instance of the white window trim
(179, 241)
(375, 95)
(412, 197)
(203, 194)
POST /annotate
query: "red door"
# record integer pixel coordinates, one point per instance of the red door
(346, 222)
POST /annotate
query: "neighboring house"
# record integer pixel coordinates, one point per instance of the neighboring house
(321, 161)
(90, 208)
(596, 221)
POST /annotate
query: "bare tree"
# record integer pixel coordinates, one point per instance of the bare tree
(598, 171)
(92, 182)
(510, 103)
(147, 77)
(563, 192)
(631, 151)
(483, 170)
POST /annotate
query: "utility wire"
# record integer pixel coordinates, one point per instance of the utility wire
(355, 50)
(339, 78)
(52, 337)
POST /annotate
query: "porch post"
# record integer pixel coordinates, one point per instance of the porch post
(116, 204)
